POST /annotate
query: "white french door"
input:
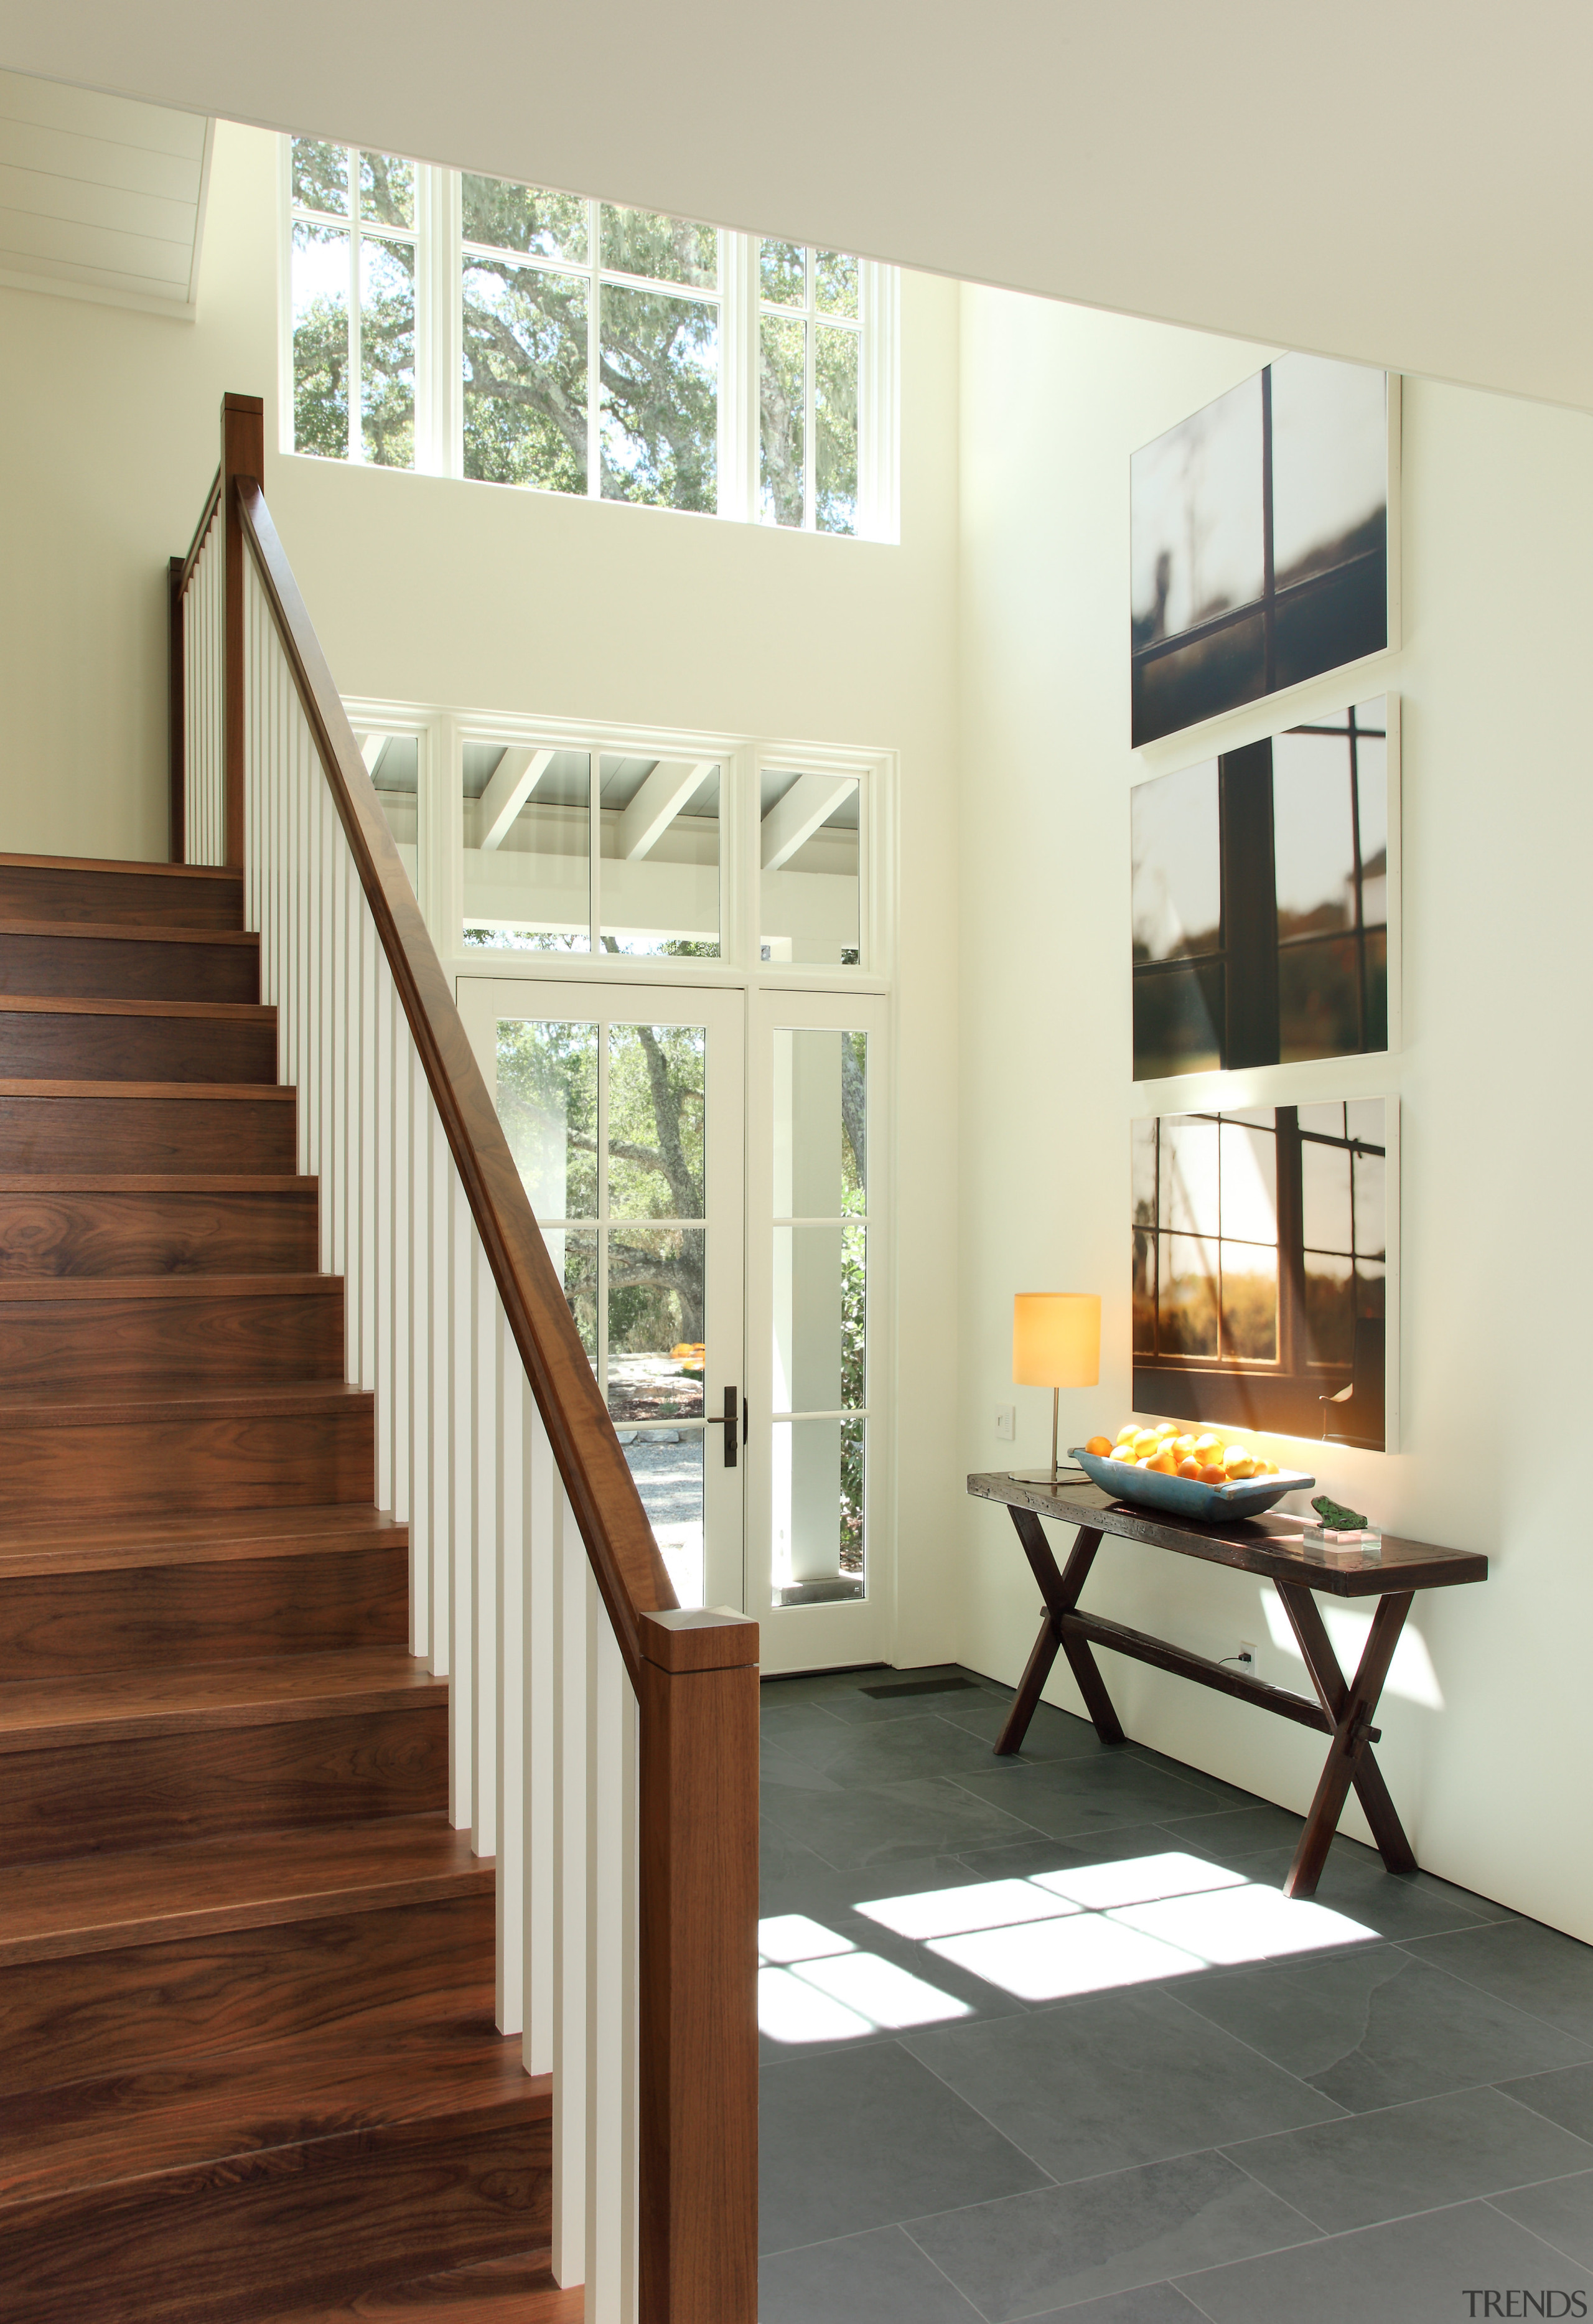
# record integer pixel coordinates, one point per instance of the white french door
(624, 1106)
(819, 1575)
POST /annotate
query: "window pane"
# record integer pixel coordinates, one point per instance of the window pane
(1195, 520)
(660, 399)
(820, 1313)
(1376, 947)
(1318, 1001)
(781, 404)
(808, 848)
(1371, 1216)
(547, 1105)
(1371, 759)
(1330, 1308)
(528, 218)
(1249, 1303)
(1329, 463)
(834, 282)
(1313, 839)
(655, 1124)
(1187, 1296)
(657, 1354)
(819, 1476)
(396, 777)
(320, 176)
(659, 825)
(665, 249)
(1142, 1147)
(782, 273)
(1189, 1175)
(387, 189)
(1324, 1182)
(320, 341)
(525, 376)
(1175, 829)
(834, 428)
(1145, 1294)
(667, 1467)
(820, 1148)
(387, 352)
(1177, 1018)
(573, 1253)
(528, 849)
(1249, 1183)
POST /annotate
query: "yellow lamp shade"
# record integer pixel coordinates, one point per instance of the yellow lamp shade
(1057, 1339)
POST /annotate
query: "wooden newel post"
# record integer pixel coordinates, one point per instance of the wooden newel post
(698, 2160)
(243, 454)
(176, 708)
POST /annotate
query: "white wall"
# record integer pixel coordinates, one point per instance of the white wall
(429, 590)
(1496, 1787)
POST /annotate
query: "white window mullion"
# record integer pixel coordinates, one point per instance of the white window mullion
(439, 327)
(810, 433)
(738, 377)
(878, 456)
(594, 354)
(357, 434)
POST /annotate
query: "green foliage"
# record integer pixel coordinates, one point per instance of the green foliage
(658, 384)
(525, 376)
(661, 249)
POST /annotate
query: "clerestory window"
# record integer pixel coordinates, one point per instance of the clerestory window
(473, 327)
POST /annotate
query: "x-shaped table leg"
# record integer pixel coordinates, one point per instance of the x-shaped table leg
(1351, 1705)
(1061, 1592)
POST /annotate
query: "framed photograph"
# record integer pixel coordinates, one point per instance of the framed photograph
(1266, 899)
(1262, 544)
(1265, 1264)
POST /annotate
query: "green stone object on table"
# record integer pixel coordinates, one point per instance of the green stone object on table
(1335, 1518)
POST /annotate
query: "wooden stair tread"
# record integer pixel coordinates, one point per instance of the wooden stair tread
(52, 1004)
(199, 1538)
(22, 1288)
(46, 1714)
(91, 864)
(155, 1182)
(128, 931)
(520, 2290)
(180, 1401)
(208, 1093)
(103, 1902)
(231, 2103)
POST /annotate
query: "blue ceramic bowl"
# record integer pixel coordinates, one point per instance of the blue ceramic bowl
(1185, 1497)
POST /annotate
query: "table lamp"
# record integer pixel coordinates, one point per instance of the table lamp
(1055, 1345)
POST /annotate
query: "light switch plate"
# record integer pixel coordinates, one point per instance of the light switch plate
(1006, 1422)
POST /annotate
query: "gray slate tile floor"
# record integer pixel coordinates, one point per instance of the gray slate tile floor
(1364, 2131)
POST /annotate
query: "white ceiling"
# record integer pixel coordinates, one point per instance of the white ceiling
(1403, 181)
(100, 198)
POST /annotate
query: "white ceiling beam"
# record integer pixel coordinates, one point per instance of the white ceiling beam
(514, 779)
(662, 796)
(792, 820)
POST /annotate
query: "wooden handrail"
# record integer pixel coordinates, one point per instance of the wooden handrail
(630, 1573)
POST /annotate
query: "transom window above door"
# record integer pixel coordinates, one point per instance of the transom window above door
(510, 334)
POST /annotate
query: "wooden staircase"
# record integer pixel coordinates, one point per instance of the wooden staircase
(248, 2064)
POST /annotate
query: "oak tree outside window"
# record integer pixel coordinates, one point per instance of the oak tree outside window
(473, 327)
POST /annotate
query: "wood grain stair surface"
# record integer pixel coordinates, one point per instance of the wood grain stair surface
(247, 2044)
(76, 1223)
(149, 963)
(154, 1896)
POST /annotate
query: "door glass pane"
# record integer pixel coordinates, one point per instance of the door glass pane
(659, 820)
(808, 848)
(573, 1253)
(656, 1351)
(668, 1466)
(818, 1525)
(820, 1116)
(547, 1105)
(528, 848)
(820, 1275)
(656, 1100)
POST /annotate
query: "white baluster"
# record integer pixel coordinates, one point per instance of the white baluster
(381, 1340)
(422, 1423)
(462, 1457)
(438, 1410)
(611, 1974)
(543, 1522)
(486, 1405)
(571, 1613)
(396, 1347)
(509, 1758)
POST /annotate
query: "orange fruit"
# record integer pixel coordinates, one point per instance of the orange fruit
(1212, 1475)
(1188, 1468)
(1100, 1446)
(1163, 1463)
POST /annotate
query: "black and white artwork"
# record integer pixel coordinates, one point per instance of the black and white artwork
(1259, 542)
(1262, 899)
(1262, 1260)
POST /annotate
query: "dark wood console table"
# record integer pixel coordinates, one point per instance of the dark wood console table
(1343, 1709)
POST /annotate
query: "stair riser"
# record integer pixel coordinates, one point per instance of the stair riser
(164, 1790)
(46, 1046)
(88, 968)
(294, 2226)
(232, 1340)
(160, 1233)
(146, 1468)
(376, 1972)
(81, 892)
(140, 1617)
(238, 1137)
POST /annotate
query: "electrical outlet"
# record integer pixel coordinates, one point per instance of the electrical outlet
(1006, 1422)
(1247, 1658)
